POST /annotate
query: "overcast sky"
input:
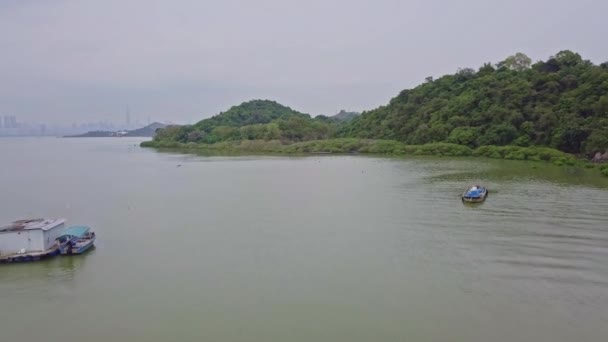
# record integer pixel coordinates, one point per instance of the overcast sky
(180, 61)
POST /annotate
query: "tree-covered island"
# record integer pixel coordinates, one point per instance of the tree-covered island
(554, 110)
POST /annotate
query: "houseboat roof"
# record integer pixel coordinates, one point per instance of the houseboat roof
(30, 224)
(76, 231)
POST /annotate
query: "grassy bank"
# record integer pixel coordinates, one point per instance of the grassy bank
(391, 147)
(340, 145)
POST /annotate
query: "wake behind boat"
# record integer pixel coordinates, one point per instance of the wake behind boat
(475, 194)
(76, 240)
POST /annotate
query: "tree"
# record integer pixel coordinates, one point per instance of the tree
(597, 142)
(501, 134)
(168, 133)
(517, 62)
(225, 133)
(569, 139)
(464, 74)
(272, 132)
(486, 69)
(601, 107)
(195, 136)
(568, 58)
(463, 136)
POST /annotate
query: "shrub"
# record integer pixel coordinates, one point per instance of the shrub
(442, 149)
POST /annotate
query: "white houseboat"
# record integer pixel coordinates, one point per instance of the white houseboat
(28, 240)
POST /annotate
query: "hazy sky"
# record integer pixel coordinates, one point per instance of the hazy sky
(83, 60)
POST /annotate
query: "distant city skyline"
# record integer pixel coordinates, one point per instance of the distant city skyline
(11, 125)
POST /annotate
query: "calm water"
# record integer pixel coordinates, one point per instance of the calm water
(332, 248)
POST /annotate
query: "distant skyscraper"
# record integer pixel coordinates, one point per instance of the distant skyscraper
(10, 121)
(128, 117)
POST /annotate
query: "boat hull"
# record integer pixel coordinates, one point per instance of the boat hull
(474, 199)
(80, 248)
(27, 257)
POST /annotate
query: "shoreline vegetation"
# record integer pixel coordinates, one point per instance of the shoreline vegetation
(378, 146)
(554, 111)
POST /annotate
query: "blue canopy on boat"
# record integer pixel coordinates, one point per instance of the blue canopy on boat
(474, 193)
(76, 231)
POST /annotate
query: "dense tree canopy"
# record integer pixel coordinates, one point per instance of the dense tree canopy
(253, 120)
(560, 103)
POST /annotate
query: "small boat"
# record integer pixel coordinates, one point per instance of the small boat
(76, 240)
(475, 194)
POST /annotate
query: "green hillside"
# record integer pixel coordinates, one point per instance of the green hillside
(250, 113)
(252, 120)
(560, 103)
